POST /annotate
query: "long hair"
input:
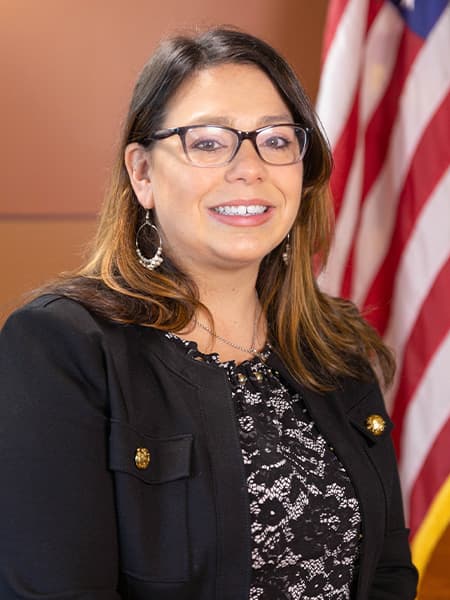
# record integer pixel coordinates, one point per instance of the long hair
(319, 338)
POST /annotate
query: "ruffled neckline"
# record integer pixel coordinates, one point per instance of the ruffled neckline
(191, 348)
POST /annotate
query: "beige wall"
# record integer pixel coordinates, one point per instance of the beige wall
(68, 67)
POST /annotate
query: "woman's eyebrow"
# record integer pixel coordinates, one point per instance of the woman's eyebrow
(211, 119)
(274, 119)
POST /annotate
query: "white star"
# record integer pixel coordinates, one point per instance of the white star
(409, 4)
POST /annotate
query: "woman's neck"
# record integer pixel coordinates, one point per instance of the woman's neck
(237, 318)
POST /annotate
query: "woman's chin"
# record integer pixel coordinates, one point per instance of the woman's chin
(241, 258)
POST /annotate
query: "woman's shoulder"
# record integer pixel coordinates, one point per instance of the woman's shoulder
(52, 311)
(53, 320)
(51, 303)
(53, 355)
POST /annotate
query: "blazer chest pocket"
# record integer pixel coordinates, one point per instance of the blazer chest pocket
(151, 476)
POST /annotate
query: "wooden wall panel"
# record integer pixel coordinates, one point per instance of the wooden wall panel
(67, 71)
(33, 251)
(68, 68)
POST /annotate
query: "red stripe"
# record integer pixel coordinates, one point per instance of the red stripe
(377, 135)
(432, 475)
(428, 165)
(343, 154)
(374, 8)
(343, 157)
(335, 13)
(336, 9)
(344, 149)
(430, 328)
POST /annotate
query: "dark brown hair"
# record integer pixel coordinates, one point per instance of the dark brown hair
(319, 338)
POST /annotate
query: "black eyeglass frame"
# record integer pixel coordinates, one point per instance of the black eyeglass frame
(241, 135)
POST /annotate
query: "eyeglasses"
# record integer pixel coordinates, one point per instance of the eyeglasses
(215, 146)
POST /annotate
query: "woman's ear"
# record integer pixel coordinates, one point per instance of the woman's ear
(137, 162)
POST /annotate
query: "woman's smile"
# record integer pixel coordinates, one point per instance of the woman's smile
(242, 213)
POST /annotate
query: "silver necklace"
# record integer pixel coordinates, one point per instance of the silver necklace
(251, 350)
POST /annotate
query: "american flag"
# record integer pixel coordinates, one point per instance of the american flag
(384, 102)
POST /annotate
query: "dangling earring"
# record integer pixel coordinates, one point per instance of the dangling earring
(155, 261)
(286, 256)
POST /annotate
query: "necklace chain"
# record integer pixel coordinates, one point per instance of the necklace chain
(251, 350)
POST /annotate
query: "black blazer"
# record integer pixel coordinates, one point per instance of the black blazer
(79, 520)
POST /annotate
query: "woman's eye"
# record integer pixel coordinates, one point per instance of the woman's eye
(207, 145)
(276, 142)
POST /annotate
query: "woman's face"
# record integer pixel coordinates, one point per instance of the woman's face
(192, 204)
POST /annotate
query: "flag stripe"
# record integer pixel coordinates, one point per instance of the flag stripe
(334, 16)
(344, 55)
(373, 237)
(372, 12)
(374, 80)
(383, 120)
(416, 191)
(348, 152)
(383, 41)
(345, 228)
(425, 415)
(416, 272)
(343, 156)
(432, 324)
(431, 476)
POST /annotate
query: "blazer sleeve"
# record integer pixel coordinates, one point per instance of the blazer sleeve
(395, 575)
(57, 517)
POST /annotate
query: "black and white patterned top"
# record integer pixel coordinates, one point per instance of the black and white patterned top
(305, 518)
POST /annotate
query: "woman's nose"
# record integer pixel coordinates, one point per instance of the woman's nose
(247, 164)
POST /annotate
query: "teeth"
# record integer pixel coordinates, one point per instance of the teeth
(242, 211)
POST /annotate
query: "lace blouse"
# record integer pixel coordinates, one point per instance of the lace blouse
(305, 518)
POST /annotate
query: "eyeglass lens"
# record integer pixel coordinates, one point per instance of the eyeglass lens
(211, 145)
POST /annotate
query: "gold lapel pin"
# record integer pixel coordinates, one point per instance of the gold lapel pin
(375, 424)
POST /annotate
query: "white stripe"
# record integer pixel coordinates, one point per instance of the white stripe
(379, 60)
(427, 413)
(426, 87)
(426, 252)
(340, 73)
(331, 278)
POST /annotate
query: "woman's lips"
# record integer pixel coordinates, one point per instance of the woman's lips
(241, 210)
(245, 213)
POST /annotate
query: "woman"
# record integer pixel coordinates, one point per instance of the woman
(190, 417)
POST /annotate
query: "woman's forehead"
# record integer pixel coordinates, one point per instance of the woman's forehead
(226, 93)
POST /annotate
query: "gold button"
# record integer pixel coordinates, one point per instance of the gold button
(142, 458)
(241, 378)
(375, 424)
(259, 376)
